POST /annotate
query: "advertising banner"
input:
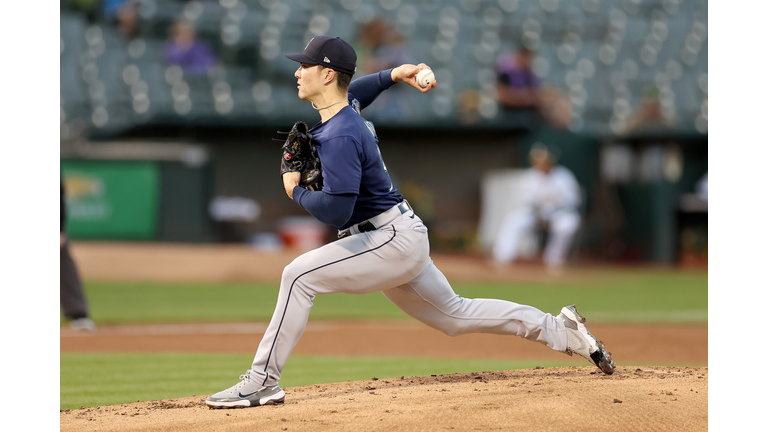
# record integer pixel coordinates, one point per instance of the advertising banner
(111, 200)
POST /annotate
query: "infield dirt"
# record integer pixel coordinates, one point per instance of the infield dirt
(572, 398)
(565, 398)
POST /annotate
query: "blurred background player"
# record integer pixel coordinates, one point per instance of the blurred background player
(73, 301)
(551, 201)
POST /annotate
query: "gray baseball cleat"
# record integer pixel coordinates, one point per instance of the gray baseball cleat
(581, 341)
(246, 393)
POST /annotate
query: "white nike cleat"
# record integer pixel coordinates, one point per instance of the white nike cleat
(581, 341)
(246, 393)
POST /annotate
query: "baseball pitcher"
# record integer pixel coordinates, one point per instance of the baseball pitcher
(336, 172)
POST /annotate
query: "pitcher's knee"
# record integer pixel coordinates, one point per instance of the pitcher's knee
(290, 273)
(294, 275)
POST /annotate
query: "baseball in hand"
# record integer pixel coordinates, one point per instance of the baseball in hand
(425, 77)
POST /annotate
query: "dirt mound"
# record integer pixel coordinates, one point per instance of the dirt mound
(575, 398)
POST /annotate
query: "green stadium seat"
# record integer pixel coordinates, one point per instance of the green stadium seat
(244, 63)
(71, 29)
(74, 99)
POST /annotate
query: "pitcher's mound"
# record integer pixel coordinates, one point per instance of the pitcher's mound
(567, 398)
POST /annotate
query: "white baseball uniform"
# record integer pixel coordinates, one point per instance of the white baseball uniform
(553, 197)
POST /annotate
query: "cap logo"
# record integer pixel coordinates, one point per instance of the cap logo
(333, 52)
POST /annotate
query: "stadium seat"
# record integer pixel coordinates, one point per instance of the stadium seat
(152, 72)
(249, 58)
(111, 65)
(73, 97)
(687, 95)
(71, 29)
(636, 29)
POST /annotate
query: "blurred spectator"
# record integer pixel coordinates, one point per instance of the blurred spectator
(72, 299)
(556, 107)
(648, 116)
(468, 106)
(551, 201)
(518, 88)
(184, 49)
(124, 14)
(380, 46)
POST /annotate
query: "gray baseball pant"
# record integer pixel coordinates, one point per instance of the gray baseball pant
(393, 259)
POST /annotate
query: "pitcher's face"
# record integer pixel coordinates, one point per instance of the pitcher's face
(309, 80)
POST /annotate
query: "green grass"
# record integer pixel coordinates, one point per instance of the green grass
(617, 296)
(109, 379)
(623, 295)
(612, 296)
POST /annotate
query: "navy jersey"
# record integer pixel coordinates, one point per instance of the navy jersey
(352, 164)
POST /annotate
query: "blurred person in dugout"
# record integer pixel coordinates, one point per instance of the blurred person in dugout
(519, 89)
(551, 200)
(184, 49)
(72, 298)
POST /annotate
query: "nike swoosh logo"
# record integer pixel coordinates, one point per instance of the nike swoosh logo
(249, 394)
(411, 216)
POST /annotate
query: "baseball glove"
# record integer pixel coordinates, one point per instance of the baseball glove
(300, 155)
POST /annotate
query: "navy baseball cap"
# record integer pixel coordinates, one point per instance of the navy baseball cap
(331, 52)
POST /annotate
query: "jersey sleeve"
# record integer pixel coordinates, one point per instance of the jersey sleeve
(366, 89)
(342, 165)
(334, 210)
